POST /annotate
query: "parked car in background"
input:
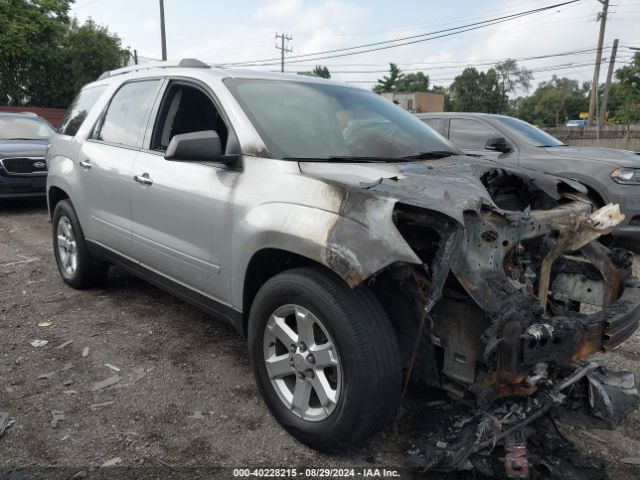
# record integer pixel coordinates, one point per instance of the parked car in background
(611, 176)
(576, 123)
(23, 142)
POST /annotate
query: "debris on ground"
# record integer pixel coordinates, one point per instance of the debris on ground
(197, 415)
(47, 376)
(112, 367)
(85, 352)
(111, 463)
(517, 436)
(5, 422)
(70, 392)
(95, 406)
(80, 474)
(45, 324)
(631, 460)
(62, 345)
(107, 382)
(39, 343)
(56, 417)
(67, 366)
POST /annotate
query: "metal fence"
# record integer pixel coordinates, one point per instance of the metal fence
(611, 136)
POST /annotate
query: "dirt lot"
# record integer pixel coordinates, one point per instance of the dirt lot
(186, 403)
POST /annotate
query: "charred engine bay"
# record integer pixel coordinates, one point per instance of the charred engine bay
(514, 296)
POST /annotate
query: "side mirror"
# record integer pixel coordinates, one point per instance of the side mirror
(498, 144)
(195, 146)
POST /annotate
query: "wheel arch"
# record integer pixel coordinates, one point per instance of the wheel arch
(54, 196)
(267, 263)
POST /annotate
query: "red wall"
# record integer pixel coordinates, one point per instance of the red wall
(52, 115)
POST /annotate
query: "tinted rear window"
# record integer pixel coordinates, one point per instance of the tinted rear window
(79, 109)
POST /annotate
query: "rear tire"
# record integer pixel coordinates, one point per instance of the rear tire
(349, 370)
(78, 268)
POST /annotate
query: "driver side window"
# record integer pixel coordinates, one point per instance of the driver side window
(470, 134)
(186, 109)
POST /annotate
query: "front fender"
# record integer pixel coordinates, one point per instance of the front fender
(354, 248)
(61, 175)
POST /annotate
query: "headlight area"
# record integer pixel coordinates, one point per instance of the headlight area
(626, 176)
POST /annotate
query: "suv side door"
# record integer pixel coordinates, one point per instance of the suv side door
(181, 209)
(471, 135)
(106, 159)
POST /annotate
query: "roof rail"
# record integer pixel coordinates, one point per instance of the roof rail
(184, 63)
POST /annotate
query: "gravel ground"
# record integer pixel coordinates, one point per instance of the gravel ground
(185, 402)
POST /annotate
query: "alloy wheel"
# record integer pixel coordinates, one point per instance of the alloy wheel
(67, 247)
(302, 362)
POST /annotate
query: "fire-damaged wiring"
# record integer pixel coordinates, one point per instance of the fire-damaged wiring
(447, 436)
(422, 284)
(554, 398)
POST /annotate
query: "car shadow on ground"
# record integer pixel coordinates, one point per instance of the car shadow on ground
(11, 207)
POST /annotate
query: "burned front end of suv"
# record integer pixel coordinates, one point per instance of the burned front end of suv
(514, 293)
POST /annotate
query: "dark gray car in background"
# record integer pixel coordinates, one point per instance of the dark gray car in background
(612, 176)
(23, 142)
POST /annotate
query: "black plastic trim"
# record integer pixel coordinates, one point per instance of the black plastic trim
(204, 303)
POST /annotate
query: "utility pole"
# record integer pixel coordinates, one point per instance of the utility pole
(596, 70)
(607, 85)
(135, 57)
(283, 48)
(163, 37)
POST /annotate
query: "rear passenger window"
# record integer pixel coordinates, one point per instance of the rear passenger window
(79, 109)
(436, 123)
(126, 117)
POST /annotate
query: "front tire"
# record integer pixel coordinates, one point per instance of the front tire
(325, 358)
(78, 268)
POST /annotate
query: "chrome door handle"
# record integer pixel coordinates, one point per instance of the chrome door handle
(143, 179)
(85, 164)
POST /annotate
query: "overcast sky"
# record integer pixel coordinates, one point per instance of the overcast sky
(243, 30)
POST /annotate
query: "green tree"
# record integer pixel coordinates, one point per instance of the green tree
(30, 32)
(512, 77)
(474, 91)
(389, 83)
(87, 51)
(554, 102)
(45, 57)
(628, 90)
(413, 82)
(321, 71)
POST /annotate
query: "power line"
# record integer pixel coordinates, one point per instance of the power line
(439, 66)
(542, 69)
(414, 26)
(412, 39)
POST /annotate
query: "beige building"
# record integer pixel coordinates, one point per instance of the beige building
(417, 102)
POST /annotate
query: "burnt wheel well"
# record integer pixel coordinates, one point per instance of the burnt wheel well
(264, 265)
(54, 196)
(595, 197)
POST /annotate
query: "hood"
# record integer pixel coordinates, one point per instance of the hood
(451, 185)
(622, 158)
(23, 148)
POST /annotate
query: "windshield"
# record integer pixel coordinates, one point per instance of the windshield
(23, 128)
(530, 133)
(303, 120)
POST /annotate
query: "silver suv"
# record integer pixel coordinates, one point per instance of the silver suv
(345, 238)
